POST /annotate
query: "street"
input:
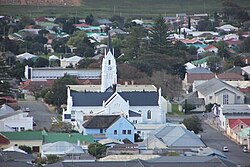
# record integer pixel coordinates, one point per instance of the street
(40, 112)
(215, 139)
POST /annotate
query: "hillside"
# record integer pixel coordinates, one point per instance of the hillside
(127, 8)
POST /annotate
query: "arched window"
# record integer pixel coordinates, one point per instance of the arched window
(149, 116)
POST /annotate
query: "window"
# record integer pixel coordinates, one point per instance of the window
(115, 132)
(67, 116)
(241, 126)
(134, 121)
(109, 62)
(238, 97)
(15, 128)
(225, 99)
(210, 97)
(149, 116)
(22, 129)
(139, 132)
(123, 131)
(101, 130)
(129, 131)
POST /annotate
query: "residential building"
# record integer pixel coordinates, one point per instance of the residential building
(196, 74)
(219, 92)
(173, 136)
(109, 126)
(230, 111)
(32, 139)
(71, 61)
(16, 121)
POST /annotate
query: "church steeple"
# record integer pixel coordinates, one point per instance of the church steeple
(109, 72)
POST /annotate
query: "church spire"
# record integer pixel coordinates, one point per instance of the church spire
(109, 46)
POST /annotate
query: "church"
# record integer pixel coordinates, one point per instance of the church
(142, 105)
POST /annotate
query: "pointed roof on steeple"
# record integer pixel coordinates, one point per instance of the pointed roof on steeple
(109, 45)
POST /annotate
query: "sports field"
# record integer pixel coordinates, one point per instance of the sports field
(126, 8)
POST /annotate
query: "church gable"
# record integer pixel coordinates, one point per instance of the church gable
(117, 105)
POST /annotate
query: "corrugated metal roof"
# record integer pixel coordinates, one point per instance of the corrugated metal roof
(25, 135)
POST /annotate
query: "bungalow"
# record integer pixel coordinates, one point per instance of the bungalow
(109, 126)
(227, 28)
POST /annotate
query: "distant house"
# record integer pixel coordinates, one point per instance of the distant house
(16, 121)
(123, 149)
(227, 28)
(174, 137)
(106, 22)
(109, 126)
(236, 129)
(228, 76)
(32, 139)
(195, 74)
(211, 48)
(26, 56)
(218, 91)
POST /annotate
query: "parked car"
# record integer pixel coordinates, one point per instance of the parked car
(27, 109)
(245, 150)
(225, 149)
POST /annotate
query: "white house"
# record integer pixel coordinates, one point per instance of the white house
(140, 106)
(16, 121)
(225, 112)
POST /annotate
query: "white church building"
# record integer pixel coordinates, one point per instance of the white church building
(142, 105)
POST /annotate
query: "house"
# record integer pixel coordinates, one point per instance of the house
(23, 159)
(109, 126)
(237, 126)
(243, 137)
(73, 138)
(195, 74)
(205, 152)
(211, 48)
(173, 136)
(201, 62)
(123, 149)
(229, 76)
(16, 121)
(65, 62)
(193, 100)
(227, 28)
(189, 65)
(32, 139)
(217, 91)
(246, 71)
(140, 104)
(110, 142)
(61, 148)
(25, 56)
(230, 111)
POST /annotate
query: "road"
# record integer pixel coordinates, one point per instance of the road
(215, 139)
(40, 112)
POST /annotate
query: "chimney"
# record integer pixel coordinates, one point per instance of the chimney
(126, 82)
(132, 82)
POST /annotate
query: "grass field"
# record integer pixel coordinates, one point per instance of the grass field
(126, 8)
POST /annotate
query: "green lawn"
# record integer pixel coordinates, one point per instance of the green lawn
(175, 110)
(127, 8)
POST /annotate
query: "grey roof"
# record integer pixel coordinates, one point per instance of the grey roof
(10, 114)
(199, 70)
(235, 108)
(169, 161)
(176, 136)
(214, 85)
(5, 109)
(133, 114)
(101, 121)
(16, 156)
(192, 98)
(97, 98)
(15, 164)
(235, 69)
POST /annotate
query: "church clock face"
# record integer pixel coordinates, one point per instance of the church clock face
(109, 68)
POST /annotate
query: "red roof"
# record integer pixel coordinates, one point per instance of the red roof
(4, 140)
(209, 47)
(81, 25)
(195, 77)
(230, 76)
(235, 122)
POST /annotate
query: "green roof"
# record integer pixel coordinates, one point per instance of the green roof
(200, 61)
(25, 135)
(244, 132)
(71, 138)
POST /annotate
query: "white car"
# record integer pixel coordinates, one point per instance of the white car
(225, 149)
(27, 109)
(245, 150)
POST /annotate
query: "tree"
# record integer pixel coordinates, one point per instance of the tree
(245, 46)
(62, 127)
(205, 25)
(84, 63)
(96, 149)
(25, 148)
(222, 50)
(41, 62)
(89, 19)
(59, 90)
(214, 63)
(51, 159)
(193, 123)
(25, 21)
(158, 35)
